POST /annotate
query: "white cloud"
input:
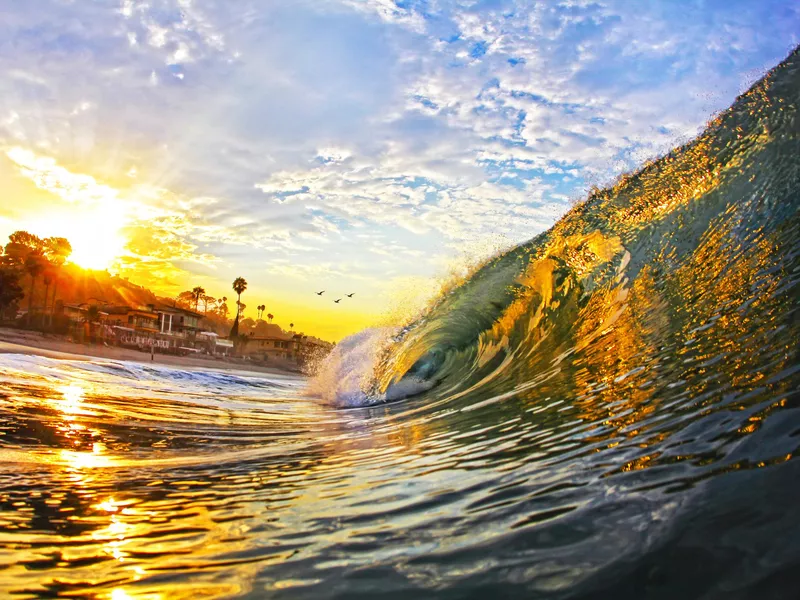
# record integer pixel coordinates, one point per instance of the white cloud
(388, 11)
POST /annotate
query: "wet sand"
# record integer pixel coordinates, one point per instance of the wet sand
(14, 341)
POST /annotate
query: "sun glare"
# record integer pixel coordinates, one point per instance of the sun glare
(94, 233)
(96, 215)
(95, 247)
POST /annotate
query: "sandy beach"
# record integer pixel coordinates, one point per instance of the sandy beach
(15, 341)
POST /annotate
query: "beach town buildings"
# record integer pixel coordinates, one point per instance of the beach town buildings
(272, 345)
(169, 329)
(178, 330)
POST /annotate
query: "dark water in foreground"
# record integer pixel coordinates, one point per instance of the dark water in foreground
(609, 411)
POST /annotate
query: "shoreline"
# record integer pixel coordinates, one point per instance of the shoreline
(15, 341)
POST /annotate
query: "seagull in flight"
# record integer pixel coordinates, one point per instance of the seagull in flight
(350, 295)
(337, 301)
(320, 293)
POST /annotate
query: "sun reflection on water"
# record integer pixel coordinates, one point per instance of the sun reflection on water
(71, 403)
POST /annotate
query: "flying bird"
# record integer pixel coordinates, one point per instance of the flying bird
(320, 293)
(337, 301)
(350, 295)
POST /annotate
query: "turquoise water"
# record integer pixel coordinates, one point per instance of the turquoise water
(607, 411)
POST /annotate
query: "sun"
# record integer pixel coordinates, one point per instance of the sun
(95, 234)
(91, 216)
(96, 240)
(98, 253)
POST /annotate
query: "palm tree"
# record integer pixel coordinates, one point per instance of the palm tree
(291, 326)
(53, 301)
(270, 317)
(48, 279)
(92, 316)
(58, 249)
(239, 285)
(34, 265)
(197, 292)
(10, 291)
(92, 313)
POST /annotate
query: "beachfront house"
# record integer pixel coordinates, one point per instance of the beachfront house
(80, 325)
(272, 345)
(133, 326)
(169, 329)
(275, 346)
(180, 328)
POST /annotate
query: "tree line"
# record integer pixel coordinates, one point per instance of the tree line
(33, 273)
(216, 309)
(41, 260)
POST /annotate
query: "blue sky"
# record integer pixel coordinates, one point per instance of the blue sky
(344, 144)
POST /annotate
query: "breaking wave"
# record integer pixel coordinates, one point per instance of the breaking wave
(686, 267)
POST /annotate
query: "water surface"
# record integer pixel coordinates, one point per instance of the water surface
(608, 411)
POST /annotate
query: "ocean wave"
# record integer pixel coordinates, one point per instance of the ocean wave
(667, 258)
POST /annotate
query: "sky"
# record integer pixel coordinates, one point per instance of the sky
(366, 146)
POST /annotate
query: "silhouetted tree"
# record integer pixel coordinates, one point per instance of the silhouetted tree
(34, 265)
(92, 316)
(48, 279)
(185, 299)
(239, 286)
(197, 292)
(10, 290)
(34, 256)
(92, 313)
(57, 250)
(20, 246)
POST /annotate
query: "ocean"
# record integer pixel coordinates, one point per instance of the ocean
(610, 410)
